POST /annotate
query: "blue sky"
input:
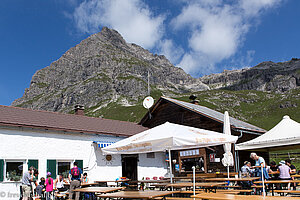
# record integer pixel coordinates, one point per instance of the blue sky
(202, 37)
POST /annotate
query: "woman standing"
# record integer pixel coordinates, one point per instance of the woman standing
(49, 186)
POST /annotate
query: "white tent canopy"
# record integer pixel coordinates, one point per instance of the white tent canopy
(168, 136)
(286, 132)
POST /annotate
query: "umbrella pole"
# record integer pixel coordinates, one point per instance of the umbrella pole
(228, 172)
(194, 180)
(170, 163)
(263, 181)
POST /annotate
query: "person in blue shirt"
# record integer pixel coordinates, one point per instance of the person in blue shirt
(259, 162)
(75, 175)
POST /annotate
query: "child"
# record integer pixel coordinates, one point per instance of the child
(84, 179)
(49, 186)
(40, 187)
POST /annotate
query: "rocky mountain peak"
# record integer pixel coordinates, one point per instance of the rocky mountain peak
(101, 70)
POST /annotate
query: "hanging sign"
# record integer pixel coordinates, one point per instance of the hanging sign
(193, 152)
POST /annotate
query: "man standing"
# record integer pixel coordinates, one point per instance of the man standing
(75, 176)
(259, 162)
(26, 183)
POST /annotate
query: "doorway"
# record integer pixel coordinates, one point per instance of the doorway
(129, 166)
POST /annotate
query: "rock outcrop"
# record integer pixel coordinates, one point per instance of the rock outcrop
(267, 76)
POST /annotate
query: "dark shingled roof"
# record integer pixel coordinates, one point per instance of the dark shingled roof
(15, 116)
(212, 114)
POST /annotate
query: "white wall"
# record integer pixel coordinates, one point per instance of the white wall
(24, 144)
(150, 167)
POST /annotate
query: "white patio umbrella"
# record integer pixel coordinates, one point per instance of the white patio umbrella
(228, 157)
(168, 136)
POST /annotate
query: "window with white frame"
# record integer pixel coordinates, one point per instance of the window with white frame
(14, 170)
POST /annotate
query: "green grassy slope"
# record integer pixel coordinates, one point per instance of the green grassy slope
(263, 109)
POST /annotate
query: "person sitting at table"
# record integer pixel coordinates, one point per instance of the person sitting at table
(274, 168)
(246, 170)
(284, 172)
(288, 162)
(59, 184)
(40, 188)
(84, 178)
(259, 163)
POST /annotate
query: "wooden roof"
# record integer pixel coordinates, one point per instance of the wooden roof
(206, 112)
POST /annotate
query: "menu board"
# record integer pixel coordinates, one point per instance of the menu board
(193, 152)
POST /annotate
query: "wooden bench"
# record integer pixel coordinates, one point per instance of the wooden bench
(179, 198)
(229, 186)
(287, 191)
(256, 186)
(234, 191)
(58, 195)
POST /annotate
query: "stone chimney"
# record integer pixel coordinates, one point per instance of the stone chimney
(79, 110)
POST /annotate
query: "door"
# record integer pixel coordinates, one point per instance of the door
(129, 166)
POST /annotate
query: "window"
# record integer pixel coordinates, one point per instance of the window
(14, 170)
(151, 155)
(63, 168)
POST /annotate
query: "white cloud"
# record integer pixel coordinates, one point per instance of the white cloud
(217, 30)
(254, 7)
(132, 18)
(170, 50)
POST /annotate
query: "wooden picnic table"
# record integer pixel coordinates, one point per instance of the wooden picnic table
(272, 182)
(208, 186)
(233, 179)
(84, 184)
(222, 196)
(98, 189)
(137, 194)
(190, 184)
(105, 183)
(153, 181)
(277, 181)
(296, 175)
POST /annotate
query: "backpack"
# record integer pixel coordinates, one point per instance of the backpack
(75, 172)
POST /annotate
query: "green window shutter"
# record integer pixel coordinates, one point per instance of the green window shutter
(33, 163)
(51, 167)
(80, 163)
(1, 170)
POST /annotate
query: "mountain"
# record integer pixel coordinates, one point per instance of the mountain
(110, 78)
(103, 70)
(267, 76)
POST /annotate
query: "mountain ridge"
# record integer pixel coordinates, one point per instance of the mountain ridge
(109, 77)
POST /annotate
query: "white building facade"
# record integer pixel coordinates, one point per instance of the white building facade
(56, 150)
